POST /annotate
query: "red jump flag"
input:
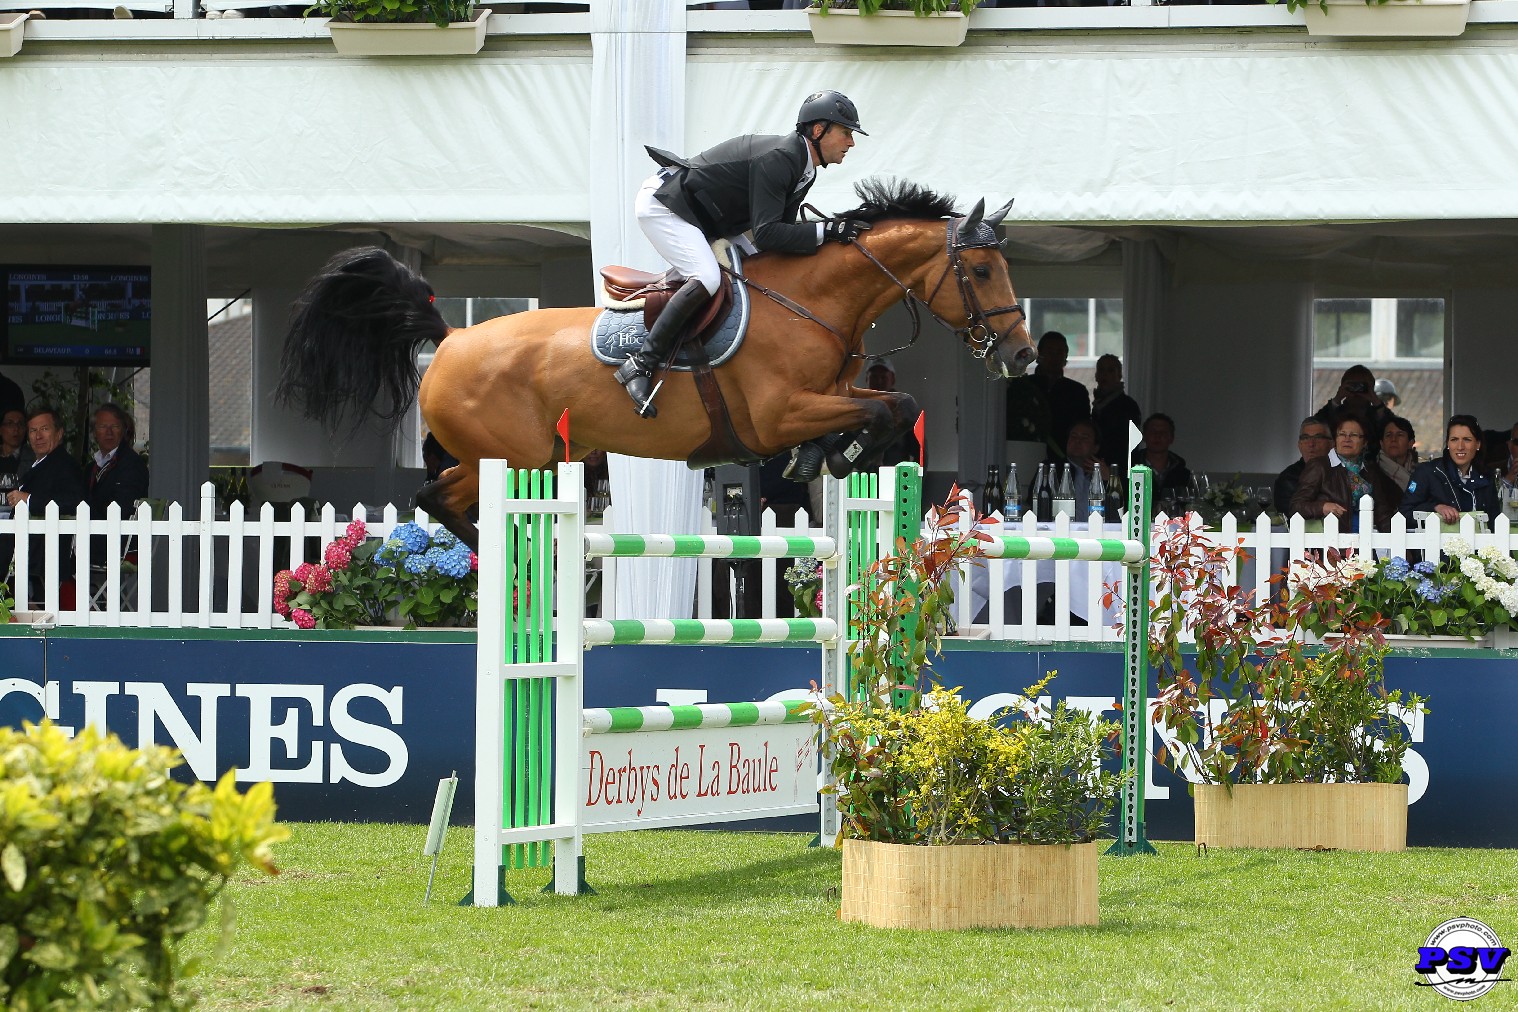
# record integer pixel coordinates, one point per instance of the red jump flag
(563, 430)
(922, 444)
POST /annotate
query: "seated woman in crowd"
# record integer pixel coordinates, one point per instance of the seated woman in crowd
(1452, 484)
(1397, 457)
(1334, 485)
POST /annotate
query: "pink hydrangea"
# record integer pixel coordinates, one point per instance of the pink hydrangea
(281, 607)
(357, 532)
(338, 555)
(302, 574)
(474, 561)
(818, 600)
(282, 583)
(320, 580)
(302, 618)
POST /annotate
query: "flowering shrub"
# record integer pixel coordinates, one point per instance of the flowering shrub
(1255, 705)
(932, 774)
(342, 591)
(1467, 594)
(427, 579)
(804, 580)
(436, 576)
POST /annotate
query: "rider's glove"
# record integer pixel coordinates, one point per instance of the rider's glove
(843, 229)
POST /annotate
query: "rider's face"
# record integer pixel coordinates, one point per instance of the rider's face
(834, 142)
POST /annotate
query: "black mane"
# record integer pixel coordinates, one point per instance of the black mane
(898, 198)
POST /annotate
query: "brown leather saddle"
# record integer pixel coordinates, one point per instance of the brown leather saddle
(629, 285)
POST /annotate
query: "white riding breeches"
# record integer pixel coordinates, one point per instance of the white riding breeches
(681, 244)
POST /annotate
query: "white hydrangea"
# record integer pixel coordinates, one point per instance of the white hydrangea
(1456, 547)
(1506, 568)
(1472, 569)
(1489, 586)
(1490, 553)
(1360, 565)
(1508, 598)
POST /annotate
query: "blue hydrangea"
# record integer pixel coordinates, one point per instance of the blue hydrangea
(412, 536)
(1429, 591)
(1397, 569)
(444, 538)
(454, 562)
(417, 563)
(1425, 568)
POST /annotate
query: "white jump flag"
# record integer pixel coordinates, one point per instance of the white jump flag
(442, 809)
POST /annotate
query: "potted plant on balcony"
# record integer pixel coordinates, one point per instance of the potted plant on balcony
(12, 32)
(1285, 745)
(948, 821)
(404, 27)
(890, 22)
(1382, 18)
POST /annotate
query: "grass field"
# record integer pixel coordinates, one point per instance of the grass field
(749, 921)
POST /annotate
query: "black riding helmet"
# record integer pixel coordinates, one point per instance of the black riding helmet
(831, 106)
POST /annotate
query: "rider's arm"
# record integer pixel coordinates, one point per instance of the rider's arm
(772, 178)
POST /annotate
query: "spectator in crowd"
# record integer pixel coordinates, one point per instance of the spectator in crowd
(1083, 452)
(1171, 475)
(1453, 483)
(1397, 457)
(118, 474)
(11, 398)
(13, 459)
(1113, 410)
(1042, 405)
(1335, 484)
(1313, 443)
(1509, 467)
(1357, 394)
(1387, 391)
(54, 477)
(880, 374)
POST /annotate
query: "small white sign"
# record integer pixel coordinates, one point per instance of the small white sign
(648, 779)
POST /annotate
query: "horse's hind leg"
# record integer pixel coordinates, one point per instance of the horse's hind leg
(448, 500)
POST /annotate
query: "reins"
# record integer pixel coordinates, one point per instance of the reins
(978, 332)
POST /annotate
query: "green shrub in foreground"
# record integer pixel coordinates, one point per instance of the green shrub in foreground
(106, 864)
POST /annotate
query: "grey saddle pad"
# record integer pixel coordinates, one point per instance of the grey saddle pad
(615, 335)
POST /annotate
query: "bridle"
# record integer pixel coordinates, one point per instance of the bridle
(978, 333)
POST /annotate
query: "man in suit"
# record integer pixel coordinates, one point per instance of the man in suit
(754, 183)
(53, 477)
(118, 474)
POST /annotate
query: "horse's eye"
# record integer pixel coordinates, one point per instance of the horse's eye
(982, 271)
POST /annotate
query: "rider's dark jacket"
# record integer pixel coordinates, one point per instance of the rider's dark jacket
(747, 183)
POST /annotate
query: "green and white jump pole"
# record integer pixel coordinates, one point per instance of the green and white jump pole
(548, 771)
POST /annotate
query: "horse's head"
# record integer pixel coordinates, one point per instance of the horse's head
(981, 294)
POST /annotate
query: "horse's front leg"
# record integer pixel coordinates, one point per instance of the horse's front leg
(845, 430)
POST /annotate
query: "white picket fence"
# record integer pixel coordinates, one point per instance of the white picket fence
(212, 571)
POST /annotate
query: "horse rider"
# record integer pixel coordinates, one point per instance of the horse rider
(754, 183)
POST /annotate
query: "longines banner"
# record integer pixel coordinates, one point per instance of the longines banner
(364, 730)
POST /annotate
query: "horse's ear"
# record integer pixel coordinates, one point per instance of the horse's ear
(995, 217)
(973, 218)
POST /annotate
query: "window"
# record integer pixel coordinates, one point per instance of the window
(1420, 329)
(1094, 327)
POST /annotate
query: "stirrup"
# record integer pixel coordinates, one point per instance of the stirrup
(636, 381)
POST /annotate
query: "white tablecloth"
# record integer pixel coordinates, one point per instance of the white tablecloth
(1078, 574)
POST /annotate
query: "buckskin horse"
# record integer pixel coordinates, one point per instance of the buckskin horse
(497, 389)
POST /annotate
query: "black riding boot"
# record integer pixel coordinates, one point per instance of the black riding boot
(637, 373)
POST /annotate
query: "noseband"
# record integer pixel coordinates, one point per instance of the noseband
(978, 331)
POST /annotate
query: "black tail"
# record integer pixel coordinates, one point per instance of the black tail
(354, 333)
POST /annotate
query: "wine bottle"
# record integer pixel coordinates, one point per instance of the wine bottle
(1112, 499)
(991, 494)
(1064, 493)
(1043, 493)
(1012, 503)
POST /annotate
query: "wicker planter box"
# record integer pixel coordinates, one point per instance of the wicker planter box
(891, 885)
(1369, 817)
(12, 32)
(463, 38)
(1394, 19)
(887, 28)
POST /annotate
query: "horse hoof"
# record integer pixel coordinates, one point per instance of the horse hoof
(841, 462)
